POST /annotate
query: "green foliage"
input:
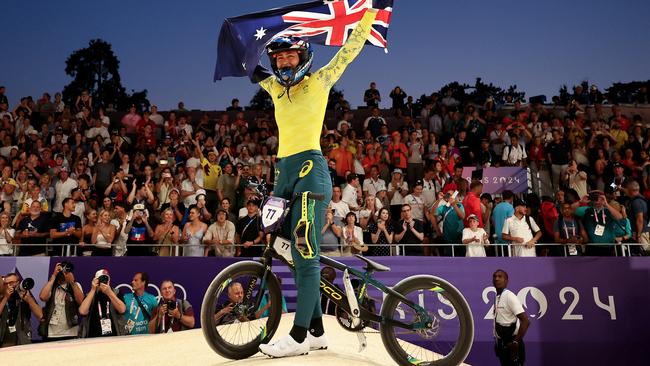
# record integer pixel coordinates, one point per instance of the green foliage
(261, 101)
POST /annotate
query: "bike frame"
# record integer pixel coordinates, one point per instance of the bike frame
(338, 296)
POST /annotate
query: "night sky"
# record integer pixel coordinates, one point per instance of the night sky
(169, 47)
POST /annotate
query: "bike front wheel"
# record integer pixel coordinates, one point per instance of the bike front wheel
(444, 340)
(241, 309)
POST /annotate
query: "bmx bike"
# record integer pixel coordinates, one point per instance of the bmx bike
(424, 320)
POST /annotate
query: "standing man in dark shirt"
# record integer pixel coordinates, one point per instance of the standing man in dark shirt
(409, 231)
(65, 227)
(559, 154)
(32, 231)
(249, 231)
(466, 154)
(638, 215)
(372, 96)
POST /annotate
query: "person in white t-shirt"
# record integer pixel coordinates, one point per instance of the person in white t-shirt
(340, 208)
(351, 193)
(510, 322)
(7, 235)
(416, 201)
(474, 237)
(373, 183)
(521, 231)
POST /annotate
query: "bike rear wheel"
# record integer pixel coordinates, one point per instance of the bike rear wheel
(238, 333)
(446, 341)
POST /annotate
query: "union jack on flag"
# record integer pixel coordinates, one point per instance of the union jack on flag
(242, 39)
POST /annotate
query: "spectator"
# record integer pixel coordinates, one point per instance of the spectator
(352, 193)
(373, 184)
(514, 154)
(7, 235)
(398, 96)
(472, 203)
(249, 232)
(475, 238)
(193, 233)
(18, 306)
(559, 154)
(521, 231)
(409, 231)
(397, 190)
(575, 179)
(172, 314)
(371, 96)
(166, 234)
(397, 152)
(502, 211)
(569, 231)
(103, 235)
(343, 157)
(66, 227)
(415, 167)
(638, 208)
(62, 296)
(122, 232)
(416, 201)
(87, 233)
(63, 188)
(330, 235)
(226, 186)
(220, 236)
(449, 213)
(141, 304)
(374, 123)
(382, 234)
(352, 236)
(102, 309)
(340, 207)
(140, 232)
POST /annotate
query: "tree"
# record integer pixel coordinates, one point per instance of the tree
(96, 69)
(261, 101)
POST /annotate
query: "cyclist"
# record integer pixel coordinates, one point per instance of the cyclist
(300, 99)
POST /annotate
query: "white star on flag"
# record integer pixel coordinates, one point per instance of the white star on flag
(260, 33)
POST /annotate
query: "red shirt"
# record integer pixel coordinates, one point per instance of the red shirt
(344, 160)
(472, 205)
(397, 155)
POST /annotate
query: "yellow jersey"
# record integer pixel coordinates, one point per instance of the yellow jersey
(300, 120)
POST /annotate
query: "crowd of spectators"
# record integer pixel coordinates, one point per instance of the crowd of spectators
(145, 183)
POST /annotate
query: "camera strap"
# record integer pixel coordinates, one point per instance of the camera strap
(144, 311)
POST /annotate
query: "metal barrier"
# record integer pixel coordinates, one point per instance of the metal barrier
(501, 250)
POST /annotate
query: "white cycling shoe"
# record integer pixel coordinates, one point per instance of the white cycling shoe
(317, 343)
(285, 347)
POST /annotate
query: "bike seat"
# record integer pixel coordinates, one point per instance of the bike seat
(372, 265)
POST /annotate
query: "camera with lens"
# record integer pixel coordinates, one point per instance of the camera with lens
(239, 309)
(103, 279)
(171, 305)
(593, 196)
(27, 284)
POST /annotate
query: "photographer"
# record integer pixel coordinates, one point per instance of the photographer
(172, 314)
(234, 310)
(141, 305)
(102, 309)
(17, 305)
(62, 297)
(600, 221)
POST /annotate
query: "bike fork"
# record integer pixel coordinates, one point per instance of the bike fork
(354, 309)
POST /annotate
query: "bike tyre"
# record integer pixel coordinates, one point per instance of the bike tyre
(413, 283)
(208, 325)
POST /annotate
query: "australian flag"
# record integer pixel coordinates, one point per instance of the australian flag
(242, 39)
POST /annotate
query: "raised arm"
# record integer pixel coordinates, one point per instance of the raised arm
(331, 72)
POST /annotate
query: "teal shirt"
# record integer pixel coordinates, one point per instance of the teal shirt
(149, 302)
(266, 312)
(590, 219)
(452, 227)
